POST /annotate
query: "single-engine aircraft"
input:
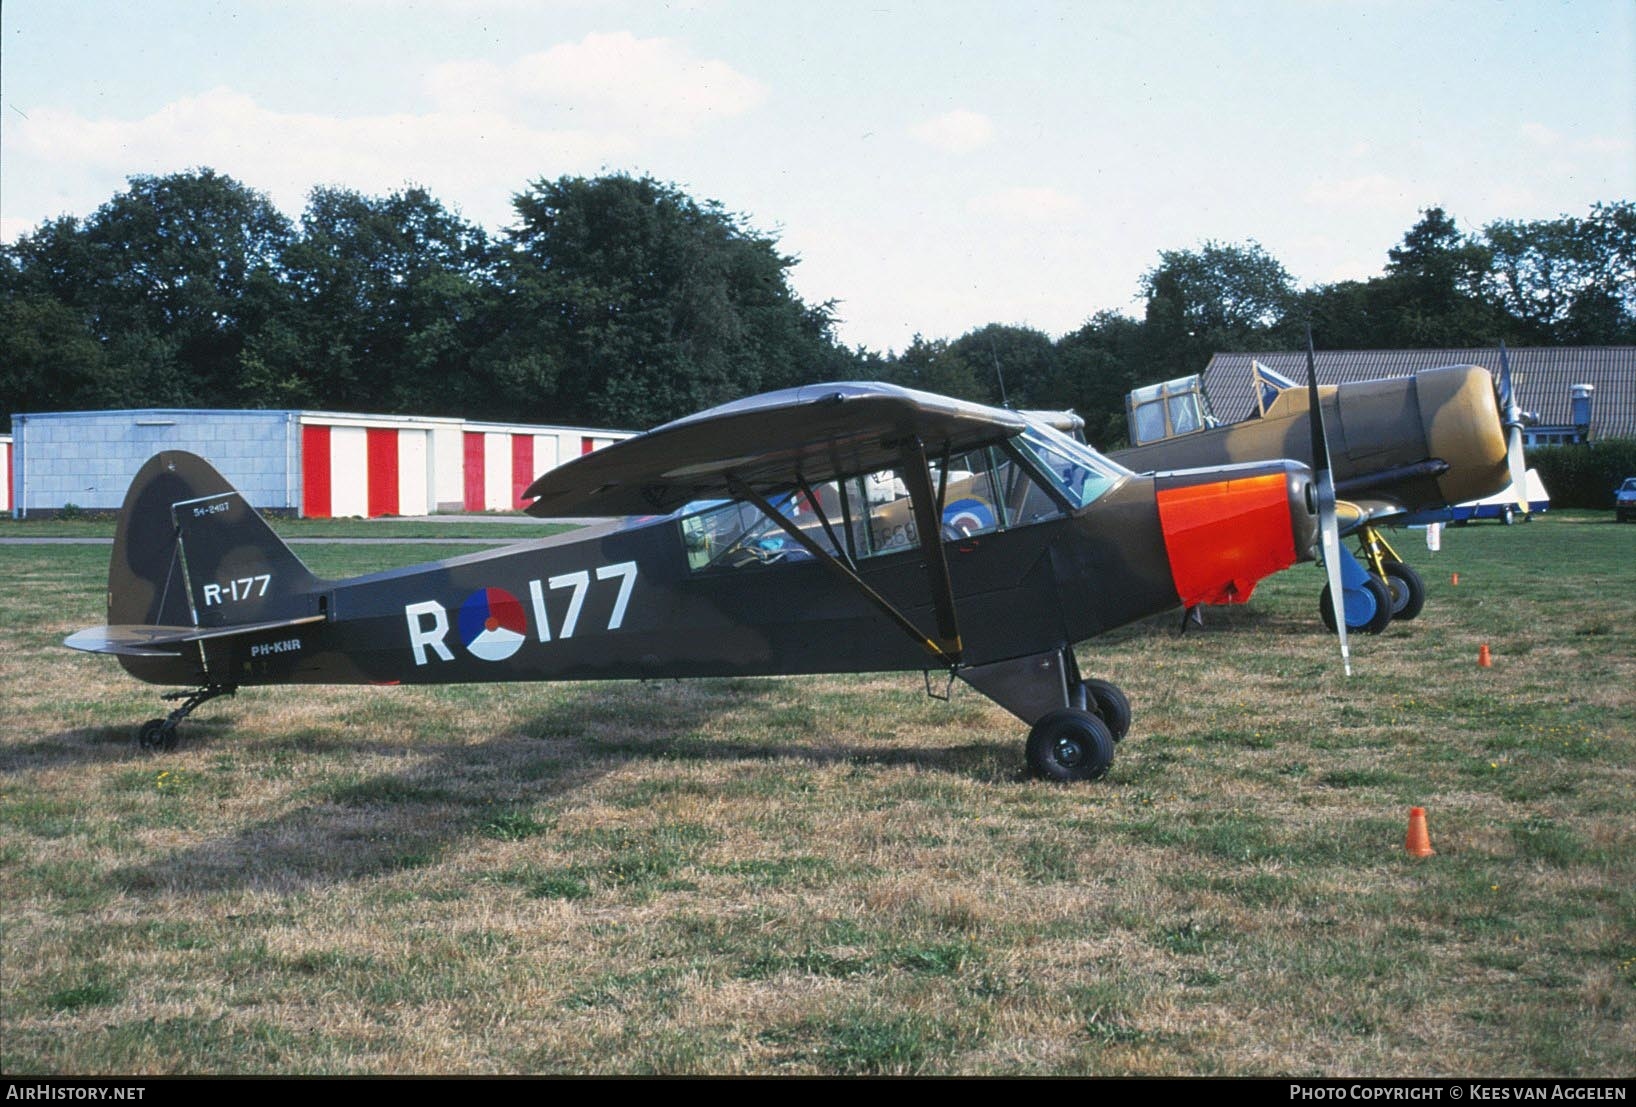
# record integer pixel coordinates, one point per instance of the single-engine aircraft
(830, 528)
(1405, 450)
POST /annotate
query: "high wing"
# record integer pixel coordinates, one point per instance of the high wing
(814, 433)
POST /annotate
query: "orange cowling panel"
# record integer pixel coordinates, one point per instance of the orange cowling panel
(1224, 536)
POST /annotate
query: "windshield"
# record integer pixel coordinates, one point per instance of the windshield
(1079, 472)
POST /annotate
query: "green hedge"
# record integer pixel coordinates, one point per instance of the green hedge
(1585, 476)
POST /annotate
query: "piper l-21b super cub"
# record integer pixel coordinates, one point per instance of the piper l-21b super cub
(830, 528)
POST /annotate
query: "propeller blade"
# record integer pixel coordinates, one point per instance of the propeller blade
(1324, 484)
(1511, 417)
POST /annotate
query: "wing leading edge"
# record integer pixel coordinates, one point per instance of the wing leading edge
(815, 433)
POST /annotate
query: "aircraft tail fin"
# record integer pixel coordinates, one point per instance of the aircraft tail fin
(190, 551)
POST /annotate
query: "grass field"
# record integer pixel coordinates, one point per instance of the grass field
(836, 875)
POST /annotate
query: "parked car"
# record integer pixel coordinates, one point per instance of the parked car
(1624, 501)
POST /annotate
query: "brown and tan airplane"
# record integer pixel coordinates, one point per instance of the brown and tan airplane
(1405, 450)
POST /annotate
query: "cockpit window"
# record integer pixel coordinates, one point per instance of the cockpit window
(983, 491)
(1078, 472)
(1168, 410)
(734, 534)
(1147, 421)
(1269, 385)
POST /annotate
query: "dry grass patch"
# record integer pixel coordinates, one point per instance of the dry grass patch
(835, 875)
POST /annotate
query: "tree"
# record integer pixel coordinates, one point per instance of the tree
(1022, 358)
(49, 358)
(929, 366)
(1219, 297)
(653, 304)
(1432, 292)
(171, 270)
(386, 300)
(1101, 362)
(1567, 280)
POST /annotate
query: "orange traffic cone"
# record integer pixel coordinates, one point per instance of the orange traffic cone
(1418, 843)
(1455, 580)
(1484, 659)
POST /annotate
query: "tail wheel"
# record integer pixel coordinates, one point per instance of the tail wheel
(1408, 591)
(1108, 701)
(1070, 745)
(1371, 612)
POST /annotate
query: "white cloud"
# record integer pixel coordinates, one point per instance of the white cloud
(1540, 135)
(1371, 191)
(1547, 139)
(640, 85)
(285, 154)
(955, 132)
(578, 107)
(1026, 205)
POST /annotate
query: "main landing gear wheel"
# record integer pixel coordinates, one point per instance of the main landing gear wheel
(1108, 701)
(1407, 590)
(1069, 745)
(1377, 607)
(155, 736)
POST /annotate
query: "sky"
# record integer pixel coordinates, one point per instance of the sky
(934, 166)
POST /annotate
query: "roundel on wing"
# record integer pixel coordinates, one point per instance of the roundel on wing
(969, 516)
(492, 624)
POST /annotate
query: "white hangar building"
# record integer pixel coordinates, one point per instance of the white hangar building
(5, 473)
(315, 464)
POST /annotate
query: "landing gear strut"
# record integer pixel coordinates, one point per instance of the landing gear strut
(1403, 585)
(160, 734)
(1075, 723)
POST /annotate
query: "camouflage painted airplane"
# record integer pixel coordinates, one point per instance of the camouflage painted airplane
(1405, 449)
(831, 528)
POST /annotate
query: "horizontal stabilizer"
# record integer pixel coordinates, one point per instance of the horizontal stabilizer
(158, 641)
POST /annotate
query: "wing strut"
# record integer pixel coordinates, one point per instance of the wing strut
(946, 648)
(928, 509)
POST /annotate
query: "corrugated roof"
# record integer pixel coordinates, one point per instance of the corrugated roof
(1543, 376)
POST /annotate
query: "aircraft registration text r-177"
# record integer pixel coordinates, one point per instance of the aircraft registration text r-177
(492, 623)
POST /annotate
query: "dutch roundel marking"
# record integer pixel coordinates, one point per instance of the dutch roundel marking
(969, 516)
(492, 625)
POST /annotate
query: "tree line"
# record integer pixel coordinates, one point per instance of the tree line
(622, 301)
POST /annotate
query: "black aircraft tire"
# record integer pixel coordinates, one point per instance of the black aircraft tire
(1109, 702)
(1407, 589)
(153, 736)
(1383, 608)
(1070, 745)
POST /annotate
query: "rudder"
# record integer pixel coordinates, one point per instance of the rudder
(191, 551)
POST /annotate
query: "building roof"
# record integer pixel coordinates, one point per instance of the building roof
(1543, 376)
